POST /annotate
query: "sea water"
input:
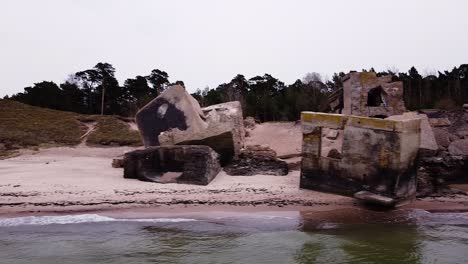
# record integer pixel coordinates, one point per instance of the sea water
(410, 237)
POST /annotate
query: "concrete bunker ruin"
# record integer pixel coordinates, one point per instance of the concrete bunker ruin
(365, 94)
(173, 164)
(347, 154)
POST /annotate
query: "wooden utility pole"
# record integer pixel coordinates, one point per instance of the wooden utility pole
(102, 98)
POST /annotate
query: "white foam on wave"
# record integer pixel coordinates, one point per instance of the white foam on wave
(258, 217)
(83, 218)
(327, 225)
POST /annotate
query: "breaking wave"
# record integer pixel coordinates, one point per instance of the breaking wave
(83, 218)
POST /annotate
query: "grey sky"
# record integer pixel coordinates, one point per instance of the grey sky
(207, 42)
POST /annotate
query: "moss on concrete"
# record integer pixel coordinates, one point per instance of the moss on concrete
(367, 78)
(323, 119)
(373, 123)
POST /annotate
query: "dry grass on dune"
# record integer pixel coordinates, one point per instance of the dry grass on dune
(23, 125)
(110, 130)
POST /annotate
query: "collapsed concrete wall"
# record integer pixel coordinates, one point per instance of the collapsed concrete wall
(347, 154)
(173, 109)
(224, 131)
(175, 117)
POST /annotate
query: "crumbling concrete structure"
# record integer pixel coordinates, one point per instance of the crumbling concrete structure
(224, 131)
(428, 146)
(255, 160)
(172, 164)
(348, 154)
(365, 94)
(176, 118)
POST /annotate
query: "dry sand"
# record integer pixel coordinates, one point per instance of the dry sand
(82, 178)
(283, 137)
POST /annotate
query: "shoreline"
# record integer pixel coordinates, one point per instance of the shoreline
(171, 210)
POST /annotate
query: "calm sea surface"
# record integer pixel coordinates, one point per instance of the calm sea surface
(349, 236)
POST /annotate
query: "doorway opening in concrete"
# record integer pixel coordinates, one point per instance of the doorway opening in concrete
(375, 97)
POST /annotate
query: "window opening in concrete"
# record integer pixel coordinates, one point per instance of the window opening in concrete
(375, 97)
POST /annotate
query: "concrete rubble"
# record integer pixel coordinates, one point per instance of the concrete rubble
(373, 198)
(255, 160)
(172, 164)
(450, 162)
(173, 109)
(175, 117)
(184, 142)
(249, 122)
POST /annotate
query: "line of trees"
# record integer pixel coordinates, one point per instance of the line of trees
(97, 91)
(268, 99)
(447, 89)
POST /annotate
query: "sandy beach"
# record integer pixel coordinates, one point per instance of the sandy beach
(82, 178)
(66, 179)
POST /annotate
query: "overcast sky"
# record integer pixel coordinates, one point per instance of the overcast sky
(207, 42)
